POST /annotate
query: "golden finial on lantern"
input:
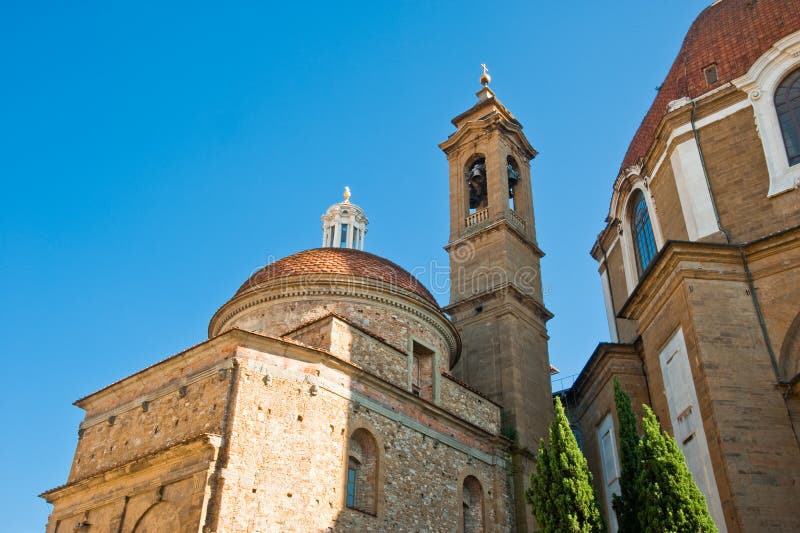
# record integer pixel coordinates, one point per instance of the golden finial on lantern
(347, 194)
(485, 78)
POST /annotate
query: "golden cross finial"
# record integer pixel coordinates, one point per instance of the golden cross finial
(485, 78)
(347, 194)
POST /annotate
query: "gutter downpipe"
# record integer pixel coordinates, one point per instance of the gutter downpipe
(610, 289)
(781, 381)
(748, 274)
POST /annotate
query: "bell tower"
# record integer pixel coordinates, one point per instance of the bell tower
(496, 288)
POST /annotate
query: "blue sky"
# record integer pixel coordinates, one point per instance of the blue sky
(154, 155)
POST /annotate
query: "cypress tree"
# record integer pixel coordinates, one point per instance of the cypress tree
(625, 504)
(561, 492)
(668, 499)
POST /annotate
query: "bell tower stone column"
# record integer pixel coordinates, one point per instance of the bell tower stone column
(496, 288)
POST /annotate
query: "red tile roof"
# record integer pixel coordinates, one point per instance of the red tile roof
(730, 33)
(339, 261)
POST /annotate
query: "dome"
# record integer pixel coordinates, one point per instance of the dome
(732, 34)
(371, 293)
(343, 261)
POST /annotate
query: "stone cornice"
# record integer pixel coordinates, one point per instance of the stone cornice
(505, 288)
(680, 260)
(283, 348)
(498, 222)
(493, 122)
(776, 243)
(674, 126)
(170, 453)
(676, 262)
(606, 358)
(216, 345)
(336, 287)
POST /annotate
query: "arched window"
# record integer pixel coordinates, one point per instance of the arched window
(787, 105)
(362, 472)
(513, 180)
(644, 243)
(471, 505)
(475, 176)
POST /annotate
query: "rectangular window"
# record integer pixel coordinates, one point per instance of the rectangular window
(710, 73)
(609, 462)
(422, 371)
(343, 238)
(687, 424)
(351, 487)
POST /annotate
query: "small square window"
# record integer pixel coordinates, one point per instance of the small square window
(710, 73)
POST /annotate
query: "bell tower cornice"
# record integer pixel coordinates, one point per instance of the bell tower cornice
(472, 131)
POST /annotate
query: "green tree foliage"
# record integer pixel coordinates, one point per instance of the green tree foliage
(625, 504)
(561, 492)
(667, 498)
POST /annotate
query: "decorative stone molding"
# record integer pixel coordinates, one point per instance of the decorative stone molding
(336, 288)
(760, 84)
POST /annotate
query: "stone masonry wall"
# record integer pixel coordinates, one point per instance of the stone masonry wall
(181, 413)
(753, 451)
(735, 159)
(668, 203)
(163, 492)
(470, 406)
(386, 322)
(348, 343)
(286, 470)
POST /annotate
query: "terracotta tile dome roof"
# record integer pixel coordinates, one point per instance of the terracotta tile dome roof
(730, 33)
(339, 261)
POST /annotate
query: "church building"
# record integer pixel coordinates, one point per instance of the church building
(334, 394)
(699, 262)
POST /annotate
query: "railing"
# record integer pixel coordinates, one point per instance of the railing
(477, 217)
(562, 384)
(516, 219)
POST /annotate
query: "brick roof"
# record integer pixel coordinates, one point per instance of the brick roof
(730, 33)
(339, 261)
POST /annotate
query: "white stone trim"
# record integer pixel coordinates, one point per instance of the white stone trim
(628, 247)
(344, 213)
(760, 83)
(610, 479)
(687, 421)
(703, 122)
(610, 315)
(695, 199)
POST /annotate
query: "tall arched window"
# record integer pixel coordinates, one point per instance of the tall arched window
(475, 176)
(787, 105)
(471, 505)
(642, 229)
(362, 472)
(513, 180)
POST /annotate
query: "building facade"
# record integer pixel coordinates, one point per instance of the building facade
(700, 267)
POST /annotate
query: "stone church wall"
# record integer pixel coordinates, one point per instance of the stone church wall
(342, 340)
(752, 448)
(391, 324)
(470, 406)
(735, 160)
(165, 491)
(160, 418)
(288, 452)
